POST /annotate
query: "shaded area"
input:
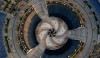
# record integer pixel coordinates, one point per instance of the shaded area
(31, 31)
(96, 6)
(65, 13)
(3, 53)
(66, 50)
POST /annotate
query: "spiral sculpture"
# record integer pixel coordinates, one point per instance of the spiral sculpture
(52, 32)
